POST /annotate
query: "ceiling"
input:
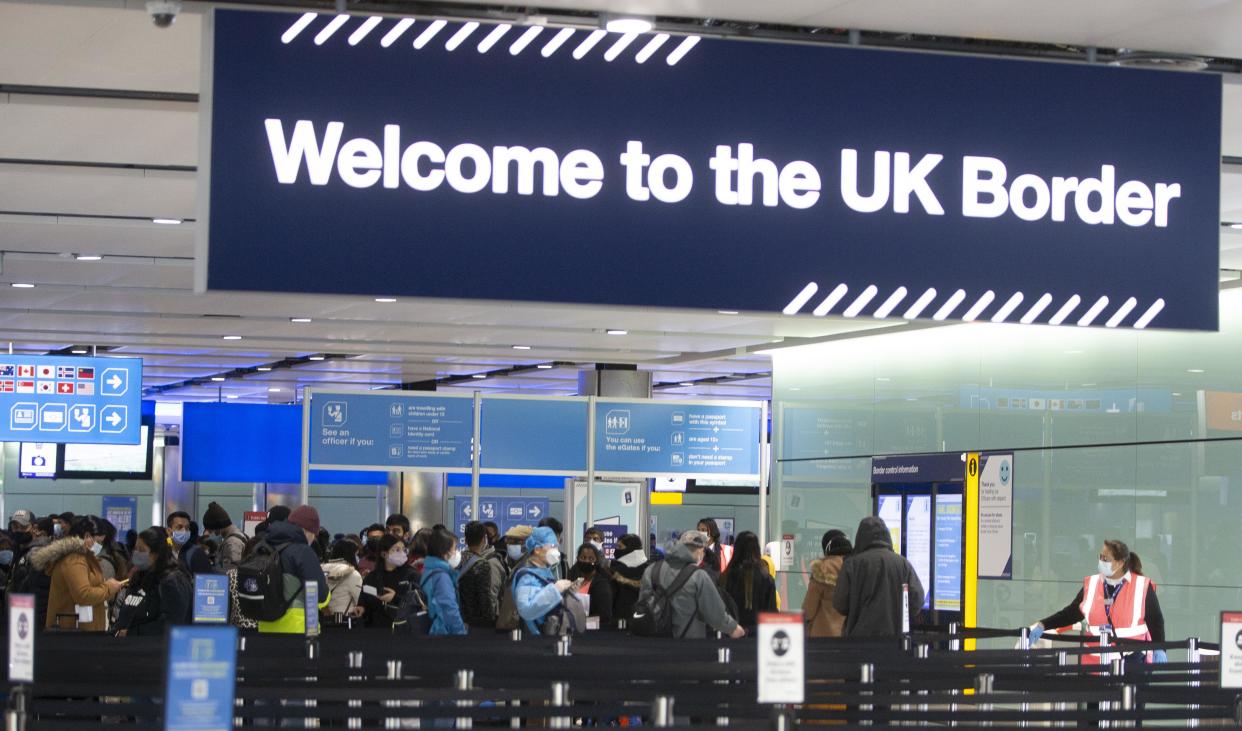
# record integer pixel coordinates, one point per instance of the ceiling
(87, 175)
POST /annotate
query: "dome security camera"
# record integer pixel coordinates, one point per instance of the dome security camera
(163, 12)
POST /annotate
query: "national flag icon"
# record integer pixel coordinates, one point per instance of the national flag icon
(25, 371)
(66, 371)
(86, 373)
(25, 386)
(47, 387)
(47, 371)
(7, 371)
(86, 388)
(7, 386)
(65, 387)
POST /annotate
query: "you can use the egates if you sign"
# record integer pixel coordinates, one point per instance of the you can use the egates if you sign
(782, 658)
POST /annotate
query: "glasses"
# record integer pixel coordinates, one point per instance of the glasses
(1106, 558)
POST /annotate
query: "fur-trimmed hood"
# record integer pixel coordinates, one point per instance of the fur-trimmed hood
(46, 558)
(825, 570)
(337, 569)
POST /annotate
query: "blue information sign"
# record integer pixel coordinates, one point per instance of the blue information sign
(647, 438)
(47, 398)
(121, 512)
(523, 435)
(211, 599)
(388, 431)
(202, 664)
(505, 512)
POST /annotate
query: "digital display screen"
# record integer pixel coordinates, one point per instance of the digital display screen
(948, 589)
(918, 540)
(889, 511)
(37, 459)
(111, 459)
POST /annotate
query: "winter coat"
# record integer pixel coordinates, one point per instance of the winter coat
(535, 594)
(77, 580)
(868, 589)
(760, 598)
(439, 582)
(300, 564)
(698, 604)
(479, 588)
(229, 552)
(345, 583)
(401, 580)
(627, 579)
(823, 619)
(600, 593)
(26, 579)
(151, 603)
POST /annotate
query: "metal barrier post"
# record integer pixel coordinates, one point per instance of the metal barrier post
(394, 673)
(560, 699)
(1127, 703)
(984, 684)
(662, 711)
(1063, 660)
(923, 653)
(463, 680)
(723, 656)
(1193, 656)
(1025, 639)
(866, 676)
(563, 646)
(954, 643)
(15, 717)
(516, 635)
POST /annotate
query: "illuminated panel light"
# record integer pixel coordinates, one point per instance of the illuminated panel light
(619, 47)
(479, 376)
(524, 40)
(231, 337)
(1122, 313)
(891, 303)
(461, 35)
(1007, 309)
(801, 299)
(629, 25)
(1036, 309)
(298, 26)
(861, 301)
(428, 33)
(491, 39)
(330, 29)
(167, 221)
(585, 47)
(948, 307)
(1094, 312)
(652, 46)
(920, 304)
(1150, 315)
(544, 366)
(979, 306)
(397, 30)
(680, 52)
(363, 30)
(557, 41)
(1065, 310)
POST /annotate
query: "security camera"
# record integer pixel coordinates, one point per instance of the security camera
(163, 12)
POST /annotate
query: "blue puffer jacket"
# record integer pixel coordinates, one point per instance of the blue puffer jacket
(439, 583)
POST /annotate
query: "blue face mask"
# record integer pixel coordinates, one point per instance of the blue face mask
(6, 558)
(181, 537)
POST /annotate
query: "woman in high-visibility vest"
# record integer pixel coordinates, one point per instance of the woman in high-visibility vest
(1118, 598)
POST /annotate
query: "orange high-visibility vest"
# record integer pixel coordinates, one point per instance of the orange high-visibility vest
(1127, 615)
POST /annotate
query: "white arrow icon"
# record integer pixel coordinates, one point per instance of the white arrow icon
(114, 381)
(113, 418)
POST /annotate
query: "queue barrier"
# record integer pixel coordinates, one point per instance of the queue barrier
(369, 679)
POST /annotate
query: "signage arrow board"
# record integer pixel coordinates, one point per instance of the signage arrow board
(650, 438)
(77, 400)
(596, 147)
(368, 430)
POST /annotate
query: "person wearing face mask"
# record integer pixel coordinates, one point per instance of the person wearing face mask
(596, 578)
(628, 565)
(369, 553)
(560, 569)
(25, 578)
(515, 546)
(537, 593)
(184, 534)
(229, 542)
(594, 536)
(384, 590)
(697, 605)
(439, 582)
(62, 522)
(1119, 598)
(159, 594)
(79, 594)
(21, 528)
(299, 565)
(111, 558)
(6, 559)
(481, 579)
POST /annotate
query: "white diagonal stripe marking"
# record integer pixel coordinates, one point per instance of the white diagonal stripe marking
(1150, 314)
(1070, 305)
(797, 302)
(492, 38)
(1007, 309)
(979, 306)
(391, 36)
(891, 303)
(428, 33)
(330, 29)
(948, 307)
(1121, 313)
(652, 46)
(861, 301)
(1094, 312)
(681, 51)
(619, 47)
(298, 26)
(557, 41)
(1040, 305)
(460, 36)
(920, 304)
(831, 300)
(585, 46)
(356, 37)
(524, 40)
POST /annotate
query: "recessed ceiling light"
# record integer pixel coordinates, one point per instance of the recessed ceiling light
(217, 379)
(628, 24)
(87, 257)
(263, 369)
(687, 383)
(544, 366)
(1235, 225)
(299, 319)
(167, 221)
(1194, 370)
(1175, 393)
(726, 312)
(230, 395)
(22, 285)
(1073, 352)
(231, 337)
(78, 351)
(479, 376)
(882, 379)
(316, 357)
(273, 390)
(521, 347)
(386, 299)
(611, 331)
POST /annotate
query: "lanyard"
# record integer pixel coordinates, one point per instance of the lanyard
(1110, 593)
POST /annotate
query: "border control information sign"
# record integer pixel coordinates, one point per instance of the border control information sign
(425, 180)
(70, 400)
(782, 658)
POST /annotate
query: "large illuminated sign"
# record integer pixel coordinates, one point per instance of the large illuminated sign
(444, 159)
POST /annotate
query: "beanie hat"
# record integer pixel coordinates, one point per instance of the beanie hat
(540, 537)
(835, 543)
(278, 513)
(216, 517)
(306, 518)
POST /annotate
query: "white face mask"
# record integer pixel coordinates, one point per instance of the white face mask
(514, 552)
(97, 548)
(598, 546)
(455, 560)
(553, 556)
(397, 559)
(1106, 568)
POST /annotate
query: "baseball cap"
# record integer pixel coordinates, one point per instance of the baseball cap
(694, 539)
(22, 517)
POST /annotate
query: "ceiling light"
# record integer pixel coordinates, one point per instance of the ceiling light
(87, 257)
(726, 312)
(217, 379)
(521, 347)
(231, 337)
(22, 285)
(385, 299)
(1235, 225)
(479, 376)
(230, 395)
(273, 390)
(263, 369)
(544, 366)
(1194, 370)
(1073, 352)
(167, 221)
(299, 319)
(686, 383)
(316, 357)
(628, 23)
(611, 331)
(78, 351)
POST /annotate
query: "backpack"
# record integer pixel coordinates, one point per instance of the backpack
(261, 583)
(507, 617)
(567, 618)
(474, 588)
(653, 614)
(411, 612)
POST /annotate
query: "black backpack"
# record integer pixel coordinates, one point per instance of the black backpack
(653, 614)
(261, 583)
